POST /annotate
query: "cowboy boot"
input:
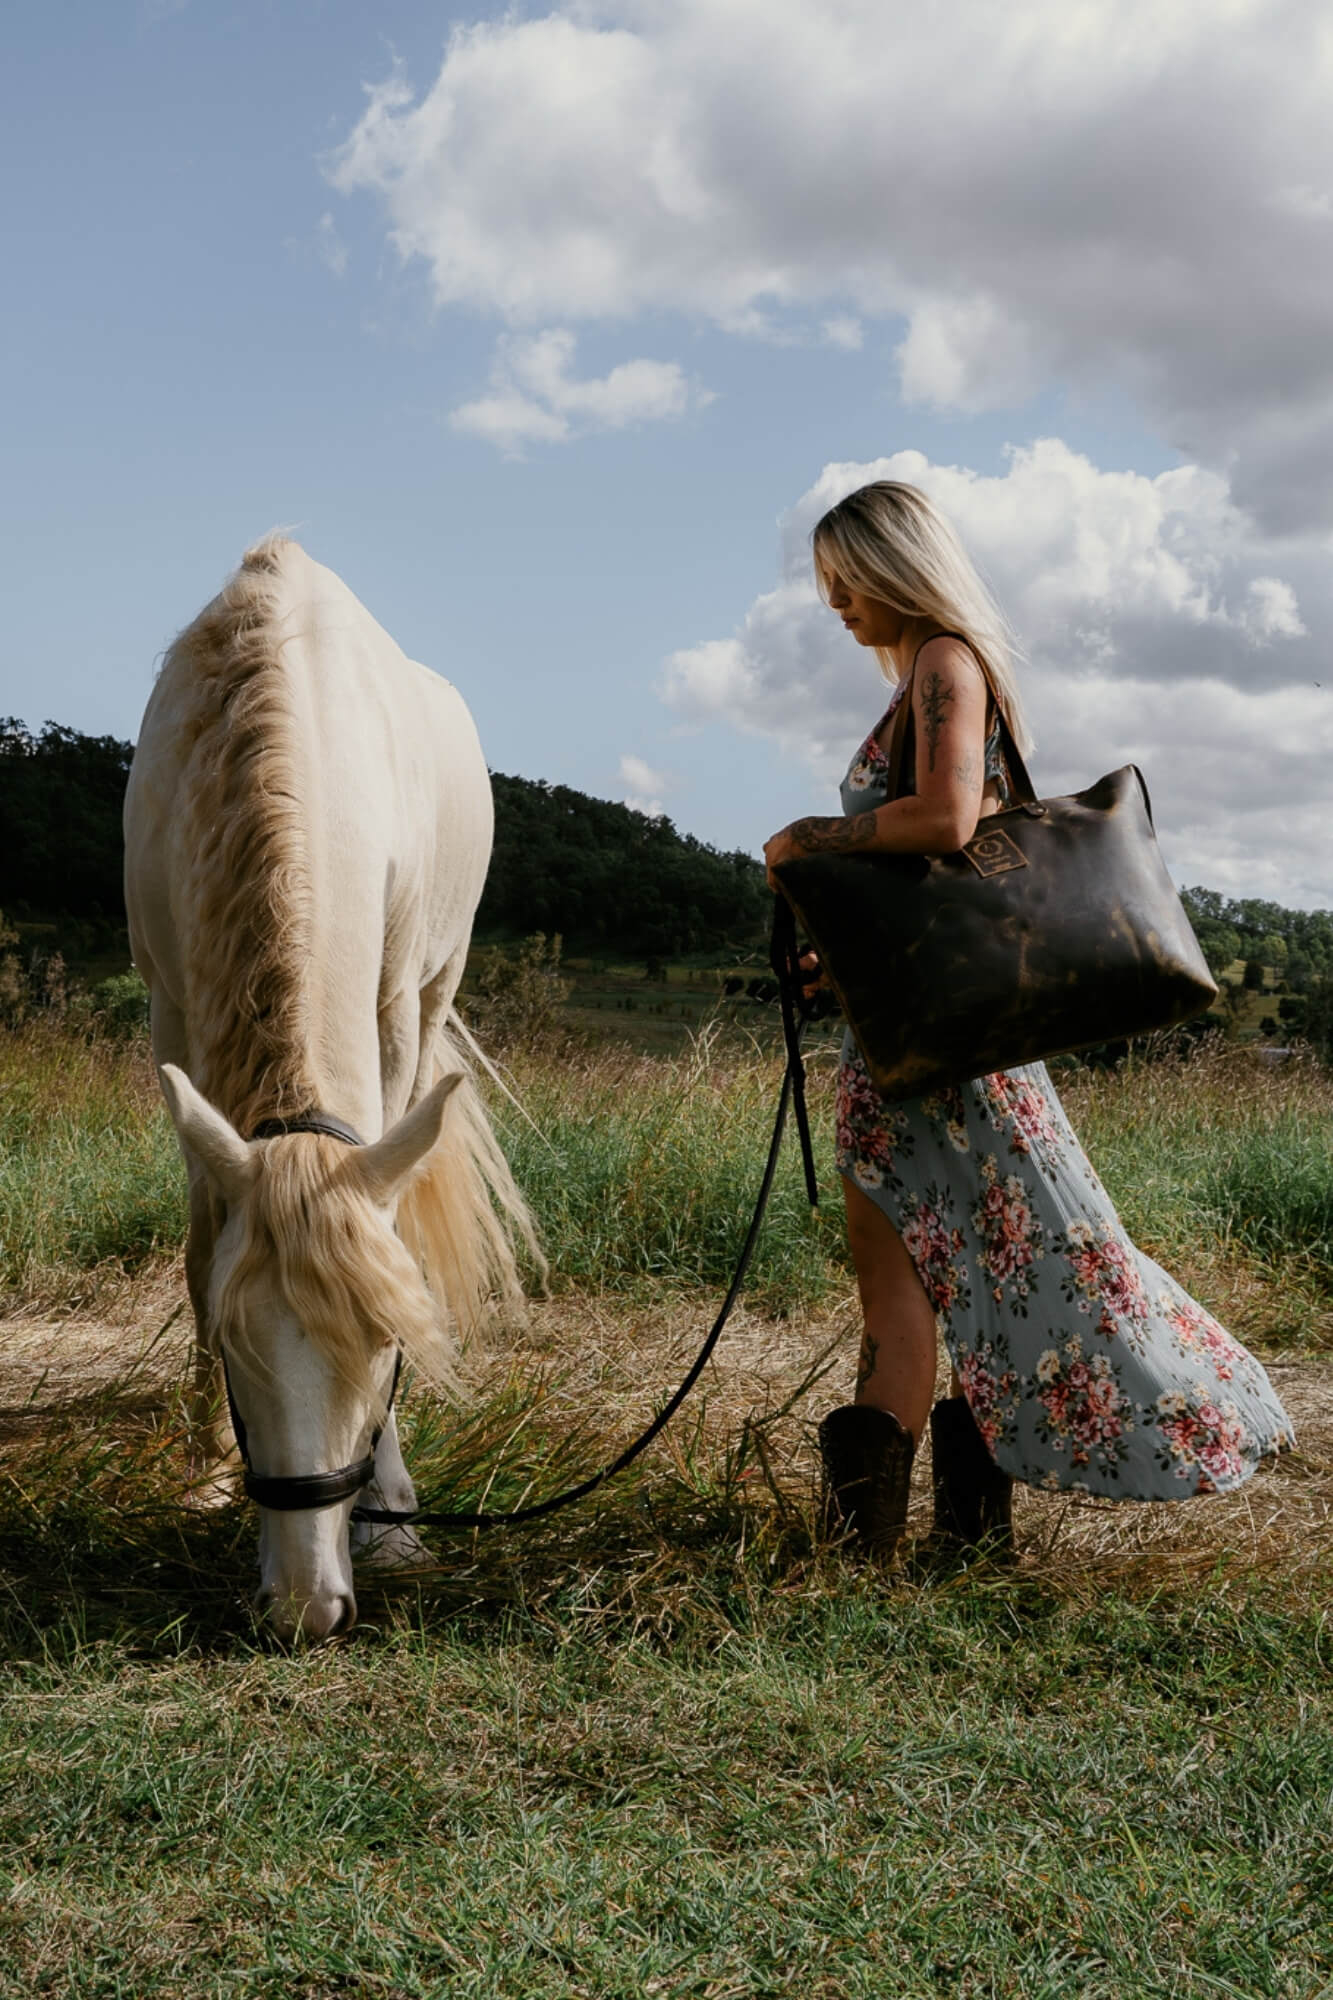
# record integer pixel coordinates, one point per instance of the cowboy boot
(867, 1459)
(973, 1498)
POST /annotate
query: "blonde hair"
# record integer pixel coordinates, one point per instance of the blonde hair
(310, 1231)
(890, 542)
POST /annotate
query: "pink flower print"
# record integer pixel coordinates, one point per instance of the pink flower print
(1012, 1238)
(1083, 1408)
(1206, 1439)
(1197, 1332)
(991, 1397)
(1013, 1100)
(871, 1131)
(933, 1245)
(1102, 1273)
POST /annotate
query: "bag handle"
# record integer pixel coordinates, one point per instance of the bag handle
(904, 731)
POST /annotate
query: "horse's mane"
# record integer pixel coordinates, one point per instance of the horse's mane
(246, 920)
(245, 953)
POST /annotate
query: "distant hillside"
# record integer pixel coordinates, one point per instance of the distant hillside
(599, 873)
(605, 876)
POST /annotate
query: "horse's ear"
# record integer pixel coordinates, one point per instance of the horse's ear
(392, 1160)
(230, 1164)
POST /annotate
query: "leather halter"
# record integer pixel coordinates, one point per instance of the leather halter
(290, 1493)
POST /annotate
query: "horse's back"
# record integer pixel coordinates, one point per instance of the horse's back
(392, 793)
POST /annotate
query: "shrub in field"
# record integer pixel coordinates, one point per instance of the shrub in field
(516, 996)
(120, 1004)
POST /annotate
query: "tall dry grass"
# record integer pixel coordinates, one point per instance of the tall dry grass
(642, 1171)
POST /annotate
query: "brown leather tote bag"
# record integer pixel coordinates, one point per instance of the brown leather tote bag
(1055, 928)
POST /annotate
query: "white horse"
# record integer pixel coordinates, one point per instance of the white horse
(307, 830)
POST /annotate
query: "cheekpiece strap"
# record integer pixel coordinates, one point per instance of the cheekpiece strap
(322, 1122)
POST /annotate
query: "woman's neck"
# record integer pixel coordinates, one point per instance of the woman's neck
(912, 638)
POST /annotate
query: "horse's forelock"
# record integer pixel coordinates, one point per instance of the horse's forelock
(310, 1234)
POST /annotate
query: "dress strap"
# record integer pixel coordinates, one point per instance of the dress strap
(929, 638)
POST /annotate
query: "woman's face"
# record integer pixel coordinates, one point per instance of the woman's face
(870, 620)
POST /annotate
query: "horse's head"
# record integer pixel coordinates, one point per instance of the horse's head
(312, 1297)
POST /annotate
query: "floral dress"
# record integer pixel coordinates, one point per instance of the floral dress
(1085, 1364)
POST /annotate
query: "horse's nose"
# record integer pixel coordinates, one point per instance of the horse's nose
(312, 1621)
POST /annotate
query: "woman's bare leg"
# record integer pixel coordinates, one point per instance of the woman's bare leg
(896, 1369)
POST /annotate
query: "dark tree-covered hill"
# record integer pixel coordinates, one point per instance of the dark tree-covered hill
(60, 840)
(606, 876)
(601, 874)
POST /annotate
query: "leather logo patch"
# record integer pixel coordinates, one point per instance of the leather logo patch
(994, 853)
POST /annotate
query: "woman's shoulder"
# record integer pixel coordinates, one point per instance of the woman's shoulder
(942, 649)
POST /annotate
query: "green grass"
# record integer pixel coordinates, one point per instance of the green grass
(90, 1172)
(664, 1745)
(643, 1170)
(975, 1791)
(1218, 1151)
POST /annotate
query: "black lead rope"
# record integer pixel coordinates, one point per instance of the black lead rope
(786, 967)
(300, 1491)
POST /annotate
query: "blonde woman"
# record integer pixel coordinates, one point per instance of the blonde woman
(974, 1212)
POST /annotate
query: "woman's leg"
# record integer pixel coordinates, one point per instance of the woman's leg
(896, 1369)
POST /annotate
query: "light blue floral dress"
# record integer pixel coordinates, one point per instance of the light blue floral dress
(1085, 1365)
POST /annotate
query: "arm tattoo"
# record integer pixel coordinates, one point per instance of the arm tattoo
(833, 836)
(865, 1362)
(935, 699)
(966, 771)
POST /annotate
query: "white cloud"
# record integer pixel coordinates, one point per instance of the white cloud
(646, 785)
(1118, 192)
(844, 331)
(535, 398)
(329, 247)
(1158, 631)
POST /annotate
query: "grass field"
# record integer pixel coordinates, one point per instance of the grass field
(669, 1744)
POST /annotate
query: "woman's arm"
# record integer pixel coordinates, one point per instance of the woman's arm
(949, 710)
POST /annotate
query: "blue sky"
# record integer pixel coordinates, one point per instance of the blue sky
(211, 328)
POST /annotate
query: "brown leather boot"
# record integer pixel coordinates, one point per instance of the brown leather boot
(867, 1457)
(973, 1498)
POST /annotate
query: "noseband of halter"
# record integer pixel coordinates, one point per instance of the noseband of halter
(301, 1491)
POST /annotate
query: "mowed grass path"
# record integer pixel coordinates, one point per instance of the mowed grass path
(668, 1745)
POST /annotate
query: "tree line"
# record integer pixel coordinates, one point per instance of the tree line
(604, 876)
(1296, 945)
